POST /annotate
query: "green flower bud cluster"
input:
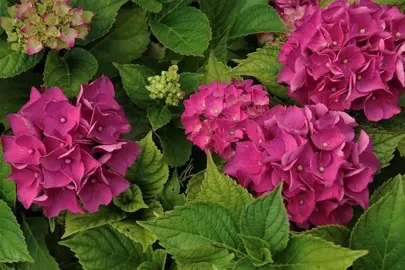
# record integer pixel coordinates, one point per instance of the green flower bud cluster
(166, 87)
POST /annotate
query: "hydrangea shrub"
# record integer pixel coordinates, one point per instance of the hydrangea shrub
(205, 134)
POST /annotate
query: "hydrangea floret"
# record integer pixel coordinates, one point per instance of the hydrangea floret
(166, 87)
(213, 115)
(347, 56)
(325, 171)
(62, 152)
(36, 24)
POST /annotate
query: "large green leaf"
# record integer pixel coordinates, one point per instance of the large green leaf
(267, 218)
(257, 19)
(149, 172)
(257, 249)
(106, 248)
(176, 147)
(333, 233)
(197, 225)
(185, 30)
(381, 231)
(105, 12)
(12, 243)
(150, 5)
(130, 200)
(205, 257)
(76, 222)
(215, 70)
(7, 187)
(189, 82)
(35, 231)
(134, 79)
(264, 66)
(13, 63)
(76, 67)
(171, 196)
(223, 190)
(159, 116)
(386, 188)
(126, 41)
(158, 261)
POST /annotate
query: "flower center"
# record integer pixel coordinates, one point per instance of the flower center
(260, 141)
(63, 120)
(231, 133)
(216, 111)
(100, 128)
(345, 61)
(362, 30)
(325, 144)
(334, 43)
(30, 151)
(301, 202)
(397, 34)
(321, 169)
(300, 168)
(373, 98)
(334, 89)
(61, 144)
(68, 161)
(35, 175)
(359, 77)
(234, 118)
(93, 180)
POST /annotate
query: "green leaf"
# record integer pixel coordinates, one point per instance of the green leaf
(189, 82)
(149, 172)
(308, 252)
(197, 225)
(185, 30)
(35, 231)
(381, 231)
(171, 196)
(150, 5)
(106, 248)
(105, 12)
(263, 65)
(176, 147)
(12, 243)
(384, 143)
(7, 187)
(267, 218)
(134, 79)
(15, 92)
(130, 200)
(13, 63)
(386, 188)
(194, 186)
(223, 190)
(171, 5)
(76, 67)
(158, 261)
(77, 222)
(136, 232)
(126, 41)
(336, 234)
(205, 257)
(257, 19)
(216, 71)
(257, 249)
(159, 116)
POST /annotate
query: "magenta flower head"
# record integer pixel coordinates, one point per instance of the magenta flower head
(347, 56)
(63, 153)
(36, 24)
(325, 171)
(212, 116)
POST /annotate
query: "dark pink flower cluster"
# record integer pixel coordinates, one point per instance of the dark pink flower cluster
(61, 152)
(212, 116)
(348, 56)
(313, 151)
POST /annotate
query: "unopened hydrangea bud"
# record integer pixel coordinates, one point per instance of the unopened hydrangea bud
(36, 24)
(166, 86)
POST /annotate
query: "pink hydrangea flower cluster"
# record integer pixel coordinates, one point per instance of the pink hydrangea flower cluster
(61, 152)
(212, 116)
(313, 151)
(348, 56)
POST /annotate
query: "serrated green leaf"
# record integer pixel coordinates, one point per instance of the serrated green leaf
(159, 116)
(189, 82)
(106, 248)
(381, 231)
(158, 261)
(150, 5)
(76, 67)
(386, 188)
(257, 19)
(333, 233)
(126, 41)
(14, 63)
(130, 200)
(184, 228)
(12, 243)
(149, 172)
(223, 190)
(185, 30)
(134, 79)
(7, 187)
(171, 196)
(263, 65)
(384, 143)
(257, 249)
(176, 147)
(35, 231)
(216, 71)
(205, 257)
(136, 232)
(76, 222)
(267, 218)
